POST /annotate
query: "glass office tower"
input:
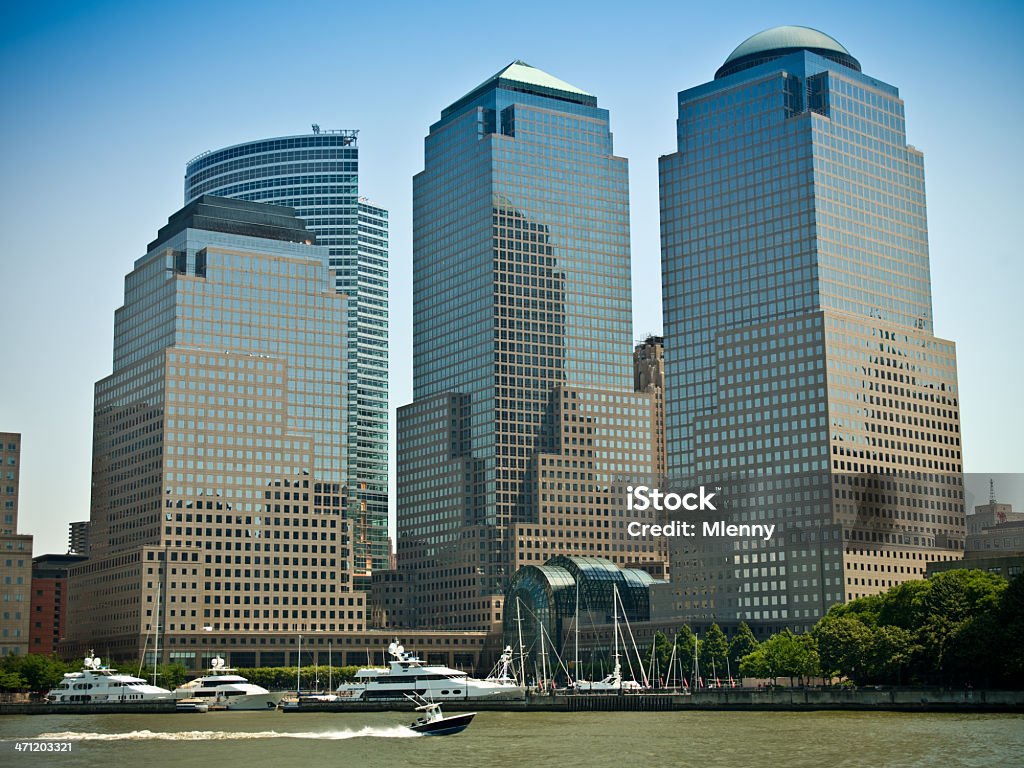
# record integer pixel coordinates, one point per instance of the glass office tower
(521, 325)
(318, 176)
(216, 513)
(800, 359)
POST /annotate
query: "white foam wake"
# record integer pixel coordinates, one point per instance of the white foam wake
(393, 732)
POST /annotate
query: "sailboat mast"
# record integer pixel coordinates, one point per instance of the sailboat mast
(298, 669)
(696, 662)
(543, 654)
(615, 632)
(156, 643)
(576, 622)
(522, 652)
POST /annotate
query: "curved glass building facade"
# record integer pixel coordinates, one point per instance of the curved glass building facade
(318, 175)
(546, 596)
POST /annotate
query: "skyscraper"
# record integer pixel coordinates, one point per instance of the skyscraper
(524, 416)
(15, 553)
(216, 509)
(318, 175)
(801, 363)
(649, 376)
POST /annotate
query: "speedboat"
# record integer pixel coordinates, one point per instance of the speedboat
(97, 684)
(408, 675)
(222, 688)
(434, 723)
(192, 705)
(295, 702)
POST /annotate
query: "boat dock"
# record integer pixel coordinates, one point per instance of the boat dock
(737, 700)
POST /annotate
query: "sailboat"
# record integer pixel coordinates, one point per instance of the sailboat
(614, 681)
(293, 703)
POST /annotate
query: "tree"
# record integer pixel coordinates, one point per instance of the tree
(902, 606)
(686, 645)
(743, 644)
(12, 681)
(713, 653)
(953, 601)
(38, 673)
(844, 645)
(756, 664)
(283, 678)
(1011, 623)
(789, 655)
(171, 675)
(661, 649)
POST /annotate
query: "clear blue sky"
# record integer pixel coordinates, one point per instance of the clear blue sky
(104, 103)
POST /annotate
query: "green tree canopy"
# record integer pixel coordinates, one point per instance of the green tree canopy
(785, 655)
(951, 628)
(743, 643)
(713, 653)
(38, 673)
(686, 645)
(1011, 623)
(844, 645)
(661, 649)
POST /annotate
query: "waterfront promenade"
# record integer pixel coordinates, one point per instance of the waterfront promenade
(736, 699)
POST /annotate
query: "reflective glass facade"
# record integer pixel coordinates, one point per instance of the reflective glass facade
(318, 176)
(566, 589)
(217, 443)
(521, 289)
(798, 331)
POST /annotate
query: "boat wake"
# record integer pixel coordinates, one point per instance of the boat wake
(392, 732)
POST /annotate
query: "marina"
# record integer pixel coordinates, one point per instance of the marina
(909, 700)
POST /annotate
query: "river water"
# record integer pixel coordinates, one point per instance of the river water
(498, 739)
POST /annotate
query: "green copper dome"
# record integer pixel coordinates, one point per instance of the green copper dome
(779, 41)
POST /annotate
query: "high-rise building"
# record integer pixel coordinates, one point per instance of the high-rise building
(49, 605)
(217, 505)
(524, 425)
(78, 537)
(801, 363)
(649, 376)
(15, 553)
(318, 175)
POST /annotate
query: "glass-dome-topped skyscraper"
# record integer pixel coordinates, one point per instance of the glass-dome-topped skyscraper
(317, 174)
(801, 364)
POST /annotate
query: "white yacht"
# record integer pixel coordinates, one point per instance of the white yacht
(97, 684)
(407, 675)
(223, 688)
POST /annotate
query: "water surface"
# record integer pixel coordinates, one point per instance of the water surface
(499, 739)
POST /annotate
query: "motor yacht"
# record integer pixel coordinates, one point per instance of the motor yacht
(408, 675)
(97, 684)
(222, 688)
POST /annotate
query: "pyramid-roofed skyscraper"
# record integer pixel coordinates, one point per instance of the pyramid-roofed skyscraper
(524, 418)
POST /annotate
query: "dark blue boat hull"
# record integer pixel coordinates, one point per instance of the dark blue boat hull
(444, 727)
